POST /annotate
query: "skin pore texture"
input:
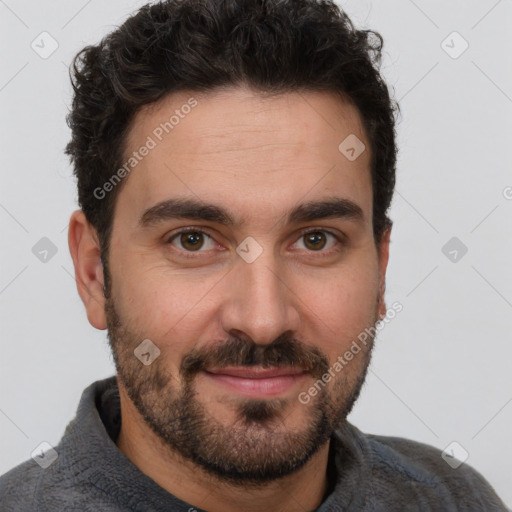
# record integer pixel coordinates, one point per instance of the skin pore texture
(207, 420)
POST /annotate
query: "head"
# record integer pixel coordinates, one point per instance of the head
(224, 225)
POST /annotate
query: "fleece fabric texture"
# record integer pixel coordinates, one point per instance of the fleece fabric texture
(368, 472)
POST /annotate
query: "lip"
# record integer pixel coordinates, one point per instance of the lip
(256, 381)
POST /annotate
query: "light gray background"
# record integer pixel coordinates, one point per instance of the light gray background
(441, 369)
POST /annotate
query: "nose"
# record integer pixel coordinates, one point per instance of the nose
(259, 300)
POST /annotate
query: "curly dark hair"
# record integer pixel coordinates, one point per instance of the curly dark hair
(274, 46)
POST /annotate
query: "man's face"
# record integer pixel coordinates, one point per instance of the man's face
(248, 314)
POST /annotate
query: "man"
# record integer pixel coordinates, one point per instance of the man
(235, 162)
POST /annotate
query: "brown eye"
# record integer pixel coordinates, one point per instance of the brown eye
(315, 240)
(192, 240)
(318, 240)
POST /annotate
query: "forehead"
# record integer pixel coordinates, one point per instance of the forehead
(253, 152)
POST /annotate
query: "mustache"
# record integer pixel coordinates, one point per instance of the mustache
(237, 351)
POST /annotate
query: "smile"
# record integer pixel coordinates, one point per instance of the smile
(256, 381)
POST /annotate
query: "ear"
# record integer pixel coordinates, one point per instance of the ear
(383, 257)
(85, 251)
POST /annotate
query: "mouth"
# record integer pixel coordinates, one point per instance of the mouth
(256, 381)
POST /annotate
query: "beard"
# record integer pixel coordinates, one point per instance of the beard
(254, 449)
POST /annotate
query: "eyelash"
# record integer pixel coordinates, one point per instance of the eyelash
(193, 254)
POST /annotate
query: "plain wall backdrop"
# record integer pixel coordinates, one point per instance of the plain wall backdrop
(441, 368)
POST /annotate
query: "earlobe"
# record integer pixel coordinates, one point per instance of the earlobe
(85, 252)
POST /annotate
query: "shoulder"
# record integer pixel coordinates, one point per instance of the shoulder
(63, 477)
(424, 462)
(64, 485)
(18, 487)
(419, 472)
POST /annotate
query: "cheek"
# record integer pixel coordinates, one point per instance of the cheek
(340, 307)
(164, 305)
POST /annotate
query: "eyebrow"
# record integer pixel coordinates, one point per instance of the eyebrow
(195, 209)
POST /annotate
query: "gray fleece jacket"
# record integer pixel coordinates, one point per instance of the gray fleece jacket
(367, 472)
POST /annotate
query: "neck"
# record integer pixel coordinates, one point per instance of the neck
(302, 490)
